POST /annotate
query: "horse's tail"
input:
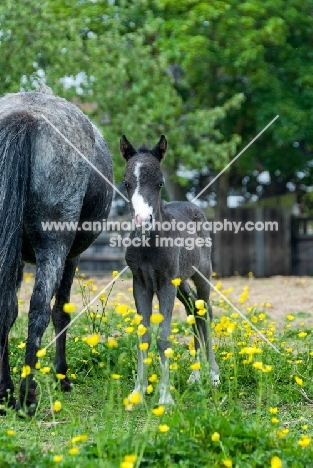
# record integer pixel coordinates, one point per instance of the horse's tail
(16, 135)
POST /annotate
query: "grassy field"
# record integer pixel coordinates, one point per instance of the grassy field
(260, 415)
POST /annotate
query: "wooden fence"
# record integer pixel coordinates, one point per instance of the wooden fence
(264, 252)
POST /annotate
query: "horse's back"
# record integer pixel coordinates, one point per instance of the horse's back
(184, 211)
(61, 182)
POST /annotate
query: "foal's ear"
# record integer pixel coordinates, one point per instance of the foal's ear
(126, 148)
(160, 148)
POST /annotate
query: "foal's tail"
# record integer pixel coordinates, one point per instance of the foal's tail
(16, 135)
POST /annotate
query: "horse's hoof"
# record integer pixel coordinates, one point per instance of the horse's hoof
(215, 378)
(166, 400)
(66, 385)
(26, 410)
(27, 405)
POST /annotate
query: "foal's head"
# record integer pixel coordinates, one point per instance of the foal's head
(143, 178)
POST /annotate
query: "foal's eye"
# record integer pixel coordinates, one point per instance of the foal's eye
(161, 184)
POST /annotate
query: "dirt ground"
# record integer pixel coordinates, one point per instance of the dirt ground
(278, 295)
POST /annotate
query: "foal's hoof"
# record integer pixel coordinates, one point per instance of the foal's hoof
(66, 384)
(194, 377)
(215, 378)
(166, 400)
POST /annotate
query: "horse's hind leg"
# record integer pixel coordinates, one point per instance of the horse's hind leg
(61, 319)
(50, 265)
(203, 340)
(6, 383)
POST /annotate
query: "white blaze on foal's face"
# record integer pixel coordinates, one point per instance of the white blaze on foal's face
(142, 210)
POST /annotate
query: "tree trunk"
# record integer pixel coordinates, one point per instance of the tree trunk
(222, 189)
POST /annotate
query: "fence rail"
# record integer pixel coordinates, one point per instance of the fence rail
(265, 253)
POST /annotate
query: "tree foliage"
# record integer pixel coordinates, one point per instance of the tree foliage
(210, 75)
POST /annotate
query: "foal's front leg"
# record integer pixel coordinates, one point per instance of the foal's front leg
(166, 296)
(143, 300)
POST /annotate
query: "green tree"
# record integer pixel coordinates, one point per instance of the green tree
(124, 79)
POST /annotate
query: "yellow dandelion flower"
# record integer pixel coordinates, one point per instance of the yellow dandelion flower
(228, 463)
(57, 458)
(143, 346)
(114, 273)
(273, 410)
(45, 370)
(69, 308)
(10, 432)
(147, 361)
(126, 464)
(290, 317)
(136, 319)
(73, 451)
(134, 398)
(79, 438)
(299, 381)
(41, 352)
(169, 353)
(215, 437)
(304, 427)
(304, 441)
(141, 330)
(159, 411)
(130, 458)
(156, 318)
(21, 345)
(73, 376)
(199, 304)
(276, 462)
(112, 343)
(163, 428)
(258, 365)
(176, 281)
(57, 406)
(149, 389)
(25, 371)
(121, 309)
(116, 376)
(274, 420)
(191, 320)
(195, 366)
(60, 376)
(129, 329)
(201, 312)
(302, 334)
(93, 340)
(153, 378)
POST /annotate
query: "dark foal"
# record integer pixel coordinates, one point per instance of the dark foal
(154, 267)
(42, 179)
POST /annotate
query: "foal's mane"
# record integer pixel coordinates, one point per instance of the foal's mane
(144, 149)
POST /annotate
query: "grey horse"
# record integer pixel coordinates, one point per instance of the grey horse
(42, 178)
(164, 254)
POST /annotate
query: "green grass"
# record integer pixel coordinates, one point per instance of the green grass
(238, 411)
